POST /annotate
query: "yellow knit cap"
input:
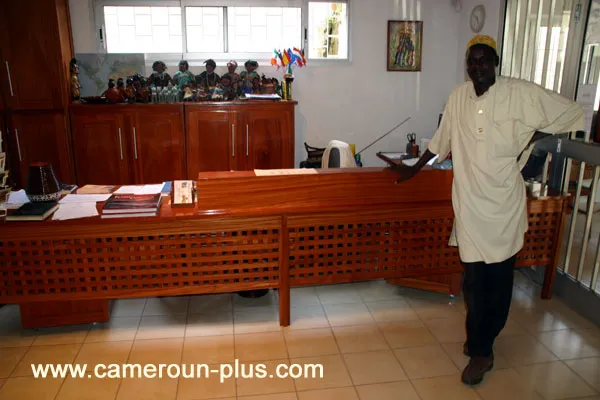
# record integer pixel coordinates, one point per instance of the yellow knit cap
(483, 39)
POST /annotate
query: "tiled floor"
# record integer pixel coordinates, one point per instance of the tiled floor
(375, 342)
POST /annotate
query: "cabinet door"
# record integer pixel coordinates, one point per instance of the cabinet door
(158, 145)
(40, 137)
(210, 141)
(100, 149)
(270, 139)
(32, 70)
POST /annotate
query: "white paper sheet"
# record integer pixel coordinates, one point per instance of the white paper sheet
(84, 198)
(75, 210)
(291, 171)
(16, 199)
(141, 189)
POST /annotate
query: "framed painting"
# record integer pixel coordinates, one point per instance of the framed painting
(404, 45)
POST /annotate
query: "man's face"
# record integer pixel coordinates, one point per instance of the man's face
(481, 63)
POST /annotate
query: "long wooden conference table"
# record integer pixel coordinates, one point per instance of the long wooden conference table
(247, 232)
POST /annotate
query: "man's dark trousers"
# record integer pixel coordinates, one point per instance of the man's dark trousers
(488, 291)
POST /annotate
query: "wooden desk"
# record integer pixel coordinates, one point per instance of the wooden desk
(257, 232)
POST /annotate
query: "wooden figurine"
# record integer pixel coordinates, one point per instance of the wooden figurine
(75, 85)
(130, 91)
(184, 76)
(112, 93)
(247, 77)
(208, 79)
(121, 88)
(159, 78)
(235, 77)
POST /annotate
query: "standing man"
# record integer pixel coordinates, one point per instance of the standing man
(488, 124)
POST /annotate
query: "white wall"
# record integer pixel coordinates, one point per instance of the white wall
(360, 101)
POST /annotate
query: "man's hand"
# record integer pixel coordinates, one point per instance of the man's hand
(404, 171)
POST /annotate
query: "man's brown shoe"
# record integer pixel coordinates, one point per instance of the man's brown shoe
(476, 369)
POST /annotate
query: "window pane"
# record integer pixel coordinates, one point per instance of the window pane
(143, 30)
(263, 29)
(328, 30)
(204, 28)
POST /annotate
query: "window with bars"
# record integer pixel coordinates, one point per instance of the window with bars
(535, 41)
(318, 27)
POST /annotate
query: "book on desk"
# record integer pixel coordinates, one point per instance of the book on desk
(132, 205)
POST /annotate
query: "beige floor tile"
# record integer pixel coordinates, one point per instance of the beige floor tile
(448, 330)
(172, 305)
(343, 293)
(555, 381)
(161, 327)
(347, 393)
(270, 301)
(585, 398)
(118, 328)
(148, 389)
(270, 384)
(310, 342)
(378, 290)
(11, 357)
(210, 303)
(444, 387)
(520, 299)
(11, 332)
(211, 324)
(308, 317)
(512, 327)
(208, 349)
(391, 310)
(25, 388)
(438, 307)
(127, 307)
(455, 351)
(88, 389)
(278, 396)
(359, 338)
(156, 351)
(388, 391)
(2, 381)
(256, 321)
(348, 314)
(304, 297)
(572, 319)
(523, 350)
(104, 353)
(58, 354)
(506, 384)
(588, 369)
(407, 334)
(374, 367)
(332, 367)
(568, 344)
(425, 362)
(534, 321)
(17, 338)
(68, 334)
(211, 385)
(260, 346)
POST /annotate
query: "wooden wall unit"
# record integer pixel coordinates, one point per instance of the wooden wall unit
(36, 49)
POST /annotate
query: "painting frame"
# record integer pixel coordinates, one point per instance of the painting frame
(397, 60)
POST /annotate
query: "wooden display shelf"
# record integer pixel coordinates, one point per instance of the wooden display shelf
(251, 232)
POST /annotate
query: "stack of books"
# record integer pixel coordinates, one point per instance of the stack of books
(122, 205)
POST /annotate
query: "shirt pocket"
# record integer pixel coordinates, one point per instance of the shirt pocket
(503, 141)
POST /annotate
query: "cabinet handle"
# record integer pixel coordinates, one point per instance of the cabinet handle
(135, 143)
(232, 140)
(12, 93)
(18, 144)
(120, 144)
(246, 140)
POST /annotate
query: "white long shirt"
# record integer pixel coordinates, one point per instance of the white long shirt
(486, 134)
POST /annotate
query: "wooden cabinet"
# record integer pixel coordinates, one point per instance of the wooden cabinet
(236, 137)
(128, 144)
(36, 49)
(39, 137)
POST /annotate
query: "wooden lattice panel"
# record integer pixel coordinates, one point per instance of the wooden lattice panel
(541, 238)
(196, 259)
(343, 248)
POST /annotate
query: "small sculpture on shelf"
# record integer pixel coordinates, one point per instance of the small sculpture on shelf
(129, 91)
(159, 78)
(121, 88)
(247, 77)
(229, 90)
(184, 76)
(112, 94)
(143, 94)
(208, 79)
(235, 77)
(75, 85)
